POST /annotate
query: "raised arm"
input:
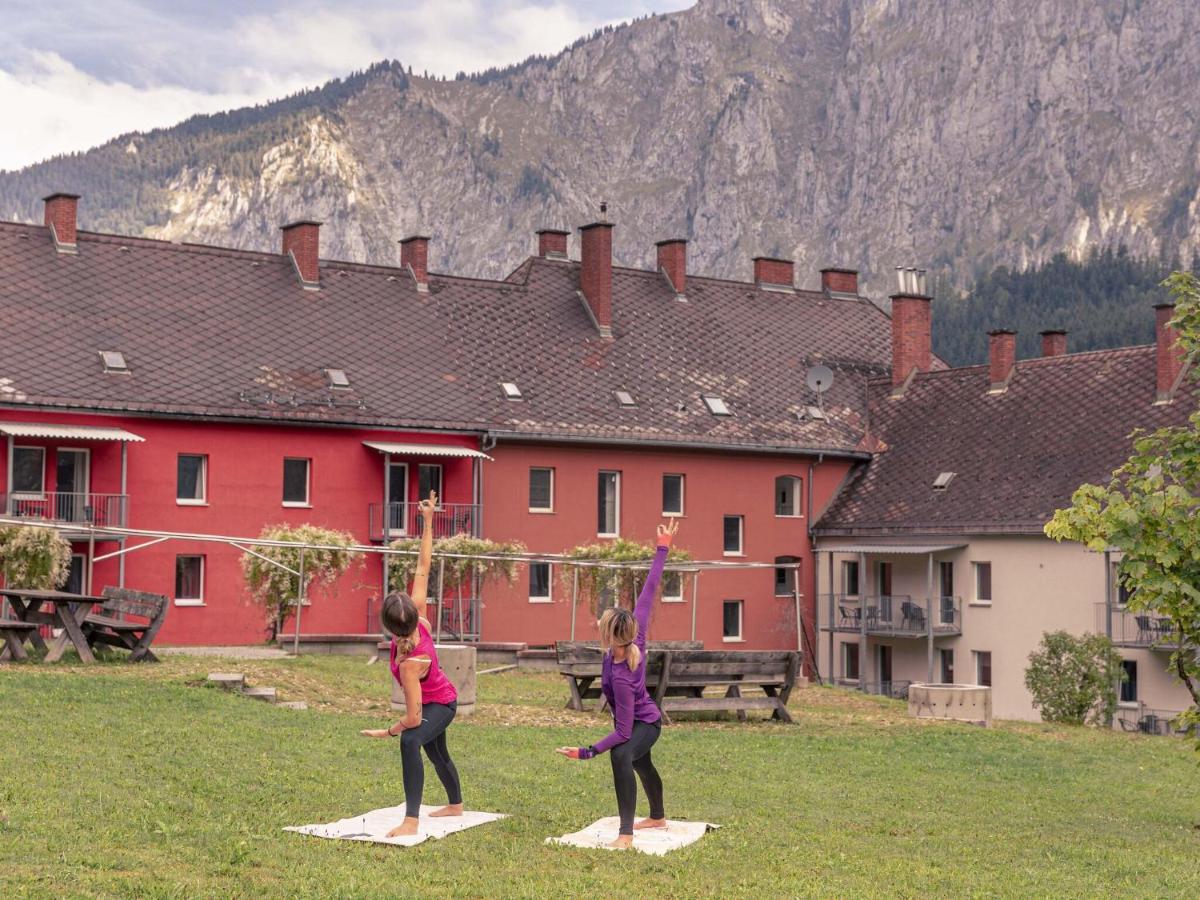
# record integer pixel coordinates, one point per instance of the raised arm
(645, 600)
(420, 591)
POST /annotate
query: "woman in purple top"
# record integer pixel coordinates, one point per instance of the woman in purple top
(636, 719)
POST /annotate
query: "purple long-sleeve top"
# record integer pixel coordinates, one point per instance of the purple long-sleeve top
(624, 688)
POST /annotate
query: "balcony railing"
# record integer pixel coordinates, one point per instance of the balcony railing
(1151, 721)
(393, 521)
(100, 510)
(1136, 629)
(897, 615)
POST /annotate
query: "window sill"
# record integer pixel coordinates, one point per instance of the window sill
(783, 516)
(1132, 704)
(983, 603)
(541, 601)
(541, 512)
(672, 600)
(673, 515)
(289, 505)
(734, 640)
(179, 502)
(190, 603)
(727, 553)
(610, 536)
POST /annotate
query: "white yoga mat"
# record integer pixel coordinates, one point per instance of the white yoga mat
(658, 841)
(375, 825)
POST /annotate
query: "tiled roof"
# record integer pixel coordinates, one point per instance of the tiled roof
(211, 331)
(1017, 456)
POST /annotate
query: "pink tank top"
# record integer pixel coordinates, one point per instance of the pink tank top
(435, 686)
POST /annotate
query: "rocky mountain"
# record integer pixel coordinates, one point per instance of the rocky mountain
(868, 133)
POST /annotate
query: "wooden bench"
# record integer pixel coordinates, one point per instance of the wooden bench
(15, 633)
(685, 674)
(109, 626)
(579, 662)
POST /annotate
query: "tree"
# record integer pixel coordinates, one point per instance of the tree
(1150, 513)
(619, 582)
(1074, 679)
(277, 588)
(35, 558)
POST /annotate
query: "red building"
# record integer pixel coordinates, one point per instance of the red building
(203, 390)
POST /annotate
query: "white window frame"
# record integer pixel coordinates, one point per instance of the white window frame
(787, 566)
(670, 514)
(976, 600)
(390, 465)
(741, 635)
(672, 598)
(616, 532)
(191, 601)
(977, 658)
(846, 649)
(441, 479)
(549, 598)
(307, 502)
(797, 497)
(202, 500)
(741, 520)
(542, 510)
(29, 495)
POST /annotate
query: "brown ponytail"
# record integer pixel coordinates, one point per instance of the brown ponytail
(619, 628)
(399, 618)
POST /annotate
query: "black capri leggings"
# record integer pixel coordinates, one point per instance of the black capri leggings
(634, 756)
(430, 734)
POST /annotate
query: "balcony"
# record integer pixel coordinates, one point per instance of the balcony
(1141, 629)
(1152, 721)
(395, 521)
(894, 615)
(98, 510)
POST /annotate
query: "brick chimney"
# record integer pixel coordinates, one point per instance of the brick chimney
(59, 217)
(1054, 342)
(840, 281)
(1002, 356)
(302, 242)
(595, 273)
(552, 243)
(911, 343)
(414, 256)
(1170, 356)
(672, 262)
(774, 274)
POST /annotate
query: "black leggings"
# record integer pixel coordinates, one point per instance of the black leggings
(430, 734)
(634, 756)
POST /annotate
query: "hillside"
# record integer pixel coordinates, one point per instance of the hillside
(857, 132)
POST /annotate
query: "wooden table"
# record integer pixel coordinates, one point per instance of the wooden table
(69, 612)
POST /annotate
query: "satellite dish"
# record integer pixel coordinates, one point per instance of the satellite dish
(819, 379)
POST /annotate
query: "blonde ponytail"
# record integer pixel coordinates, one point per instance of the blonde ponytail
(633, 656)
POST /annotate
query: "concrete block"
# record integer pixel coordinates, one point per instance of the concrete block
(231, 681)
(959, 702)
(266, 694)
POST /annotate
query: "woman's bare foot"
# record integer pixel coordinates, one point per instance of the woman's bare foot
(651, 823)
(408, 829)
(450, 809)
(623, 842)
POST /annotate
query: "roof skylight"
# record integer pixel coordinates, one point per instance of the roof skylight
(337, 378)
(625, 398)
(943, 481)
(717, 406)
(114, 361)
(511, 391)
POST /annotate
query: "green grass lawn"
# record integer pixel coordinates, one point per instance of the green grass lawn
(137, 780)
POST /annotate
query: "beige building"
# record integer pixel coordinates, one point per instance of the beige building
(932, 563)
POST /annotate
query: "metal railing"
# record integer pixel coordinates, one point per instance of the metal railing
(100, 510)
(1151, 721)
(897, 615)
(1136, 629)
(393, 521)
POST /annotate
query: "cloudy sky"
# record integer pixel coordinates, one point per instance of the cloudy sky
(74, 73)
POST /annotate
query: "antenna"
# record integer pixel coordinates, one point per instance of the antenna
(819, 379)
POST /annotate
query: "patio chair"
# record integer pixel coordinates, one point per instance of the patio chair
(1147, 630)
(912, 616)
(850, 616)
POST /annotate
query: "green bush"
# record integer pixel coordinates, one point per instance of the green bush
(1074, 679)
(32, 557)
(459, 571)
(620, 582)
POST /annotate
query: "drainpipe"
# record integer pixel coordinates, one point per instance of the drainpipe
(8, 482)
(863, 663)
(829, 582)
(929, 617)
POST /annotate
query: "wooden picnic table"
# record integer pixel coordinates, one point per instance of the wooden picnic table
(69, 612)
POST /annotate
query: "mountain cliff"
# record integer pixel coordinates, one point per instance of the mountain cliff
(868, 133)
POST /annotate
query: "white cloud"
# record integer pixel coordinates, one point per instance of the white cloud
(170, 65)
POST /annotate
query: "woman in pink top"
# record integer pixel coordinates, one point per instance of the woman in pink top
(430, 699)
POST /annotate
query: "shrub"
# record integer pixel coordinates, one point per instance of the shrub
(36, 558)
(618, 583)
(1073, 679)
(459, 571)
(278, 589)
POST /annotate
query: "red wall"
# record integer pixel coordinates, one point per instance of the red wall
(716, 484)
(245, 478)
